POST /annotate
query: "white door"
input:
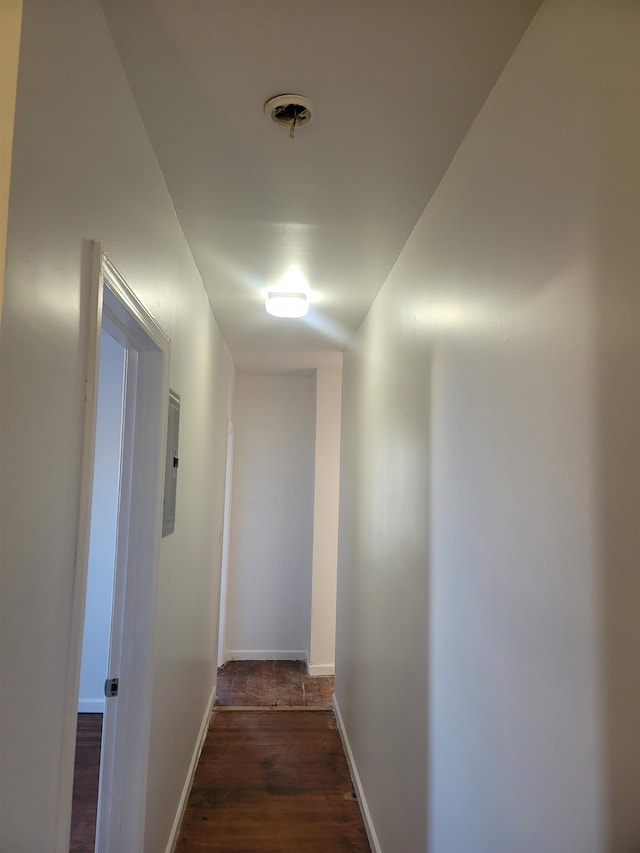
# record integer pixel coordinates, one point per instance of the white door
(126, 724)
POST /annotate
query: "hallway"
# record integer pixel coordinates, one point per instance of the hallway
(428, 484)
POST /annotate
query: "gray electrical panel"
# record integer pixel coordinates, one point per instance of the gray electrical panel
(171, 469)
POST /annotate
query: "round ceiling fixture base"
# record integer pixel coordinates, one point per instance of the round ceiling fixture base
(291, 111)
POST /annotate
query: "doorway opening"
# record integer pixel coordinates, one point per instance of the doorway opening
(118, 548)
(100, 586)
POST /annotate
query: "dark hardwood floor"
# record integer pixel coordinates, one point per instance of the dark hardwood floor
(271, 683)
(273, 779)
(272, 782)
(85, 783)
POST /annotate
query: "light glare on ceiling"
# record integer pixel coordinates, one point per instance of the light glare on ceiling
(291, 297)
(286, 304)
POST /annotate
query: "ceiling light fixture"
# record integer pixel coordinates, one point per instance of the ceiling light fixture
(280, 303)
(292, 111)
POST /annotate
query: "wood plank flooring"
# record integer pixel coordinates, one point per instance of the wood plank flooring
(268, 780)
(272, 781)
(85, 783)
(271, 683)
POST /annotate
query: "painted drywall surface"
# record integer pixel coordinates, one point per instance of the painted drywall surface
(188, 606)
(10, 23)
(104, 520)
(322, 647)
(269, 601)
(83, 169)
(491, 479)
(383, 572)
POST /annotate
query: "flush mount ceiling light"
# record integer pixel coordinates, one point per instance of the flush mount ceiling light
(292, 111)
(281, 303)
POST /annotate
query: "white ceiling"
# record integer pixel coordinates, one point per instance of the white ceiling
(395, 86)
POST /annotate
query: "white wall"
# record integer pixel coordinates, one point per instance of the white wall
(104, 522)
(10, 23)
(322, 645)
(268, 610)
(488, 587)
(83, 169)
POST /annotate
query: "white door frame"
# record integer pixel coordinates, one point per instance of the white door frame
(127, 720)
(226, 534)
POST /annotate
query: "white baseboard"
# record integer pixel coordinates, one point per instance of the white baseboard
(357, 784)
(269, 654)
(182, 805)
(91, 706)
(322, 669)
